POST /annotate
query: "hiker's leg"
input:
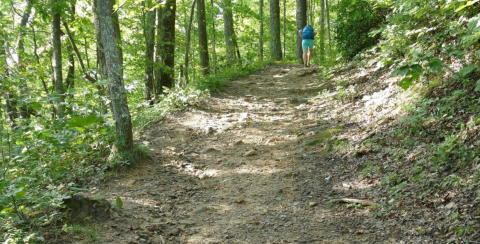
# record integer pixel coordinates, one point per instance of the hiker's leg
(310, 54)
(305, 57)
(305, 52)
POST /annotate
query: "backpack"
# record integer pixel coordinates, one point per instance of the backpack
(307, 32)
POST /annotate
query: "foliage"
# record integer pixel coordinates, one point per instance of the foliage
(354, 25)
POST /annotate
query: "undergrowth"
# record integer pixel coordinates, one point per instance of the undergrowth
(45, 161)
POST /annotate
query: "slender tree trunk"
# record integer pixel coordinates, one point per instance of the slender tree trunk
(70, 79)
(214, 40)
(322, 31)
(202, 37)
(328, 30)
(187, 42)
(116, 29)
(149, 32)
(10, 102)
(261, 28)
(284, 25)
(301, 16)
(100, 50)
(24, 111)
(229, 31)
(275, 41)
(57, 56)
(119, 103)
(158, 60)
(167, 51)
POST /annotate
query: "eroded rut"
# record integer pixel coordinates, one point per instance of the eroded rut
(240, 168)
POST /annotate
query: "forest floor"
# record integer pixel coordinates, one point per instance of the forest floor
(276, 157)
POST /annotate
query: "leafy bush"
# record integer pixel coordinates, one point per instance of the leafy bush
(356, 19)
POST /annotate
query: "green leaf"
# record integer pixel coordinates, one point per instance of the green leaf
(467, 70)
(406, 83)
(119, 203)
(416, 69)
(477, 89)
(469, 3)
(20, 192)
(79, 121)
(403, 70)
(436, 65)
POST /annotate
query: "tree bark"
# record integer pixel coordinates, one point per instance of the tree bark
(119, 103)
(187, 42)
(230, 39)
(167, 51)
(100, 50)
(116, 30)
(57, 56)
(70, 79)
(275, 41)
(261, 28)
(202, 37)
(322, 31)
(149, 32)
(24, 111)
(328, 30)
(301, 16)
(214, 40)
(284, 26)
(158, 60)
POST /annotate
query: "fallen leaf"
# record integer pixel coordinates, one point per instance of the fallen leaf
(241, 202)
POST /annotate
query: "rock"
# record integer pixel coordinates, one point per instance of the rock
(201, 209)
(238, 143)
(209, 150)
(250, 153)
(312, 204)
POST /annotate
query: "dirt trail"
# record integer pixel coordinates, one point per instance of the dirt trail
(242, 167)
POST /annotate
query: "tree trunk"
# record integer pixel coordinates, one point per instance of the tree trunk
(284, 25)
(57, 56)
(100, 50)
(116, 29)
(328, 30)
(214, 40)
(158, 60)
(275, 41)
(119, 103)
(70, 79)
(301, 16)
(322, 31)
(149, 32)
(261, 29)
(167, 50)
(202, 37)
(10, 102)
(24, 111)
(187, 42)
(230, 40)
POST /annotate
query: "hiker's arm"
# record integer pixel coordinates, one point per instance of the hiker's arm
(314, 34)
(300, 33)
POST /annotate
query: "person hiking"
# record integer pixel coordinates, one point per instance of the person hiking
(308, 35)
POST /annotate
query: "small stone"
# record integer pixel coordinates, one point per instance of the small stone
(238, 143)
(312, 204)
(200, 209)
(209, 150)
(143, 240)
(250, 153)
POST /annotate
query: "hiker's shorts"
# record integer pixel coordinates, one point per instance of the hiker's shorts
(307, 44)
